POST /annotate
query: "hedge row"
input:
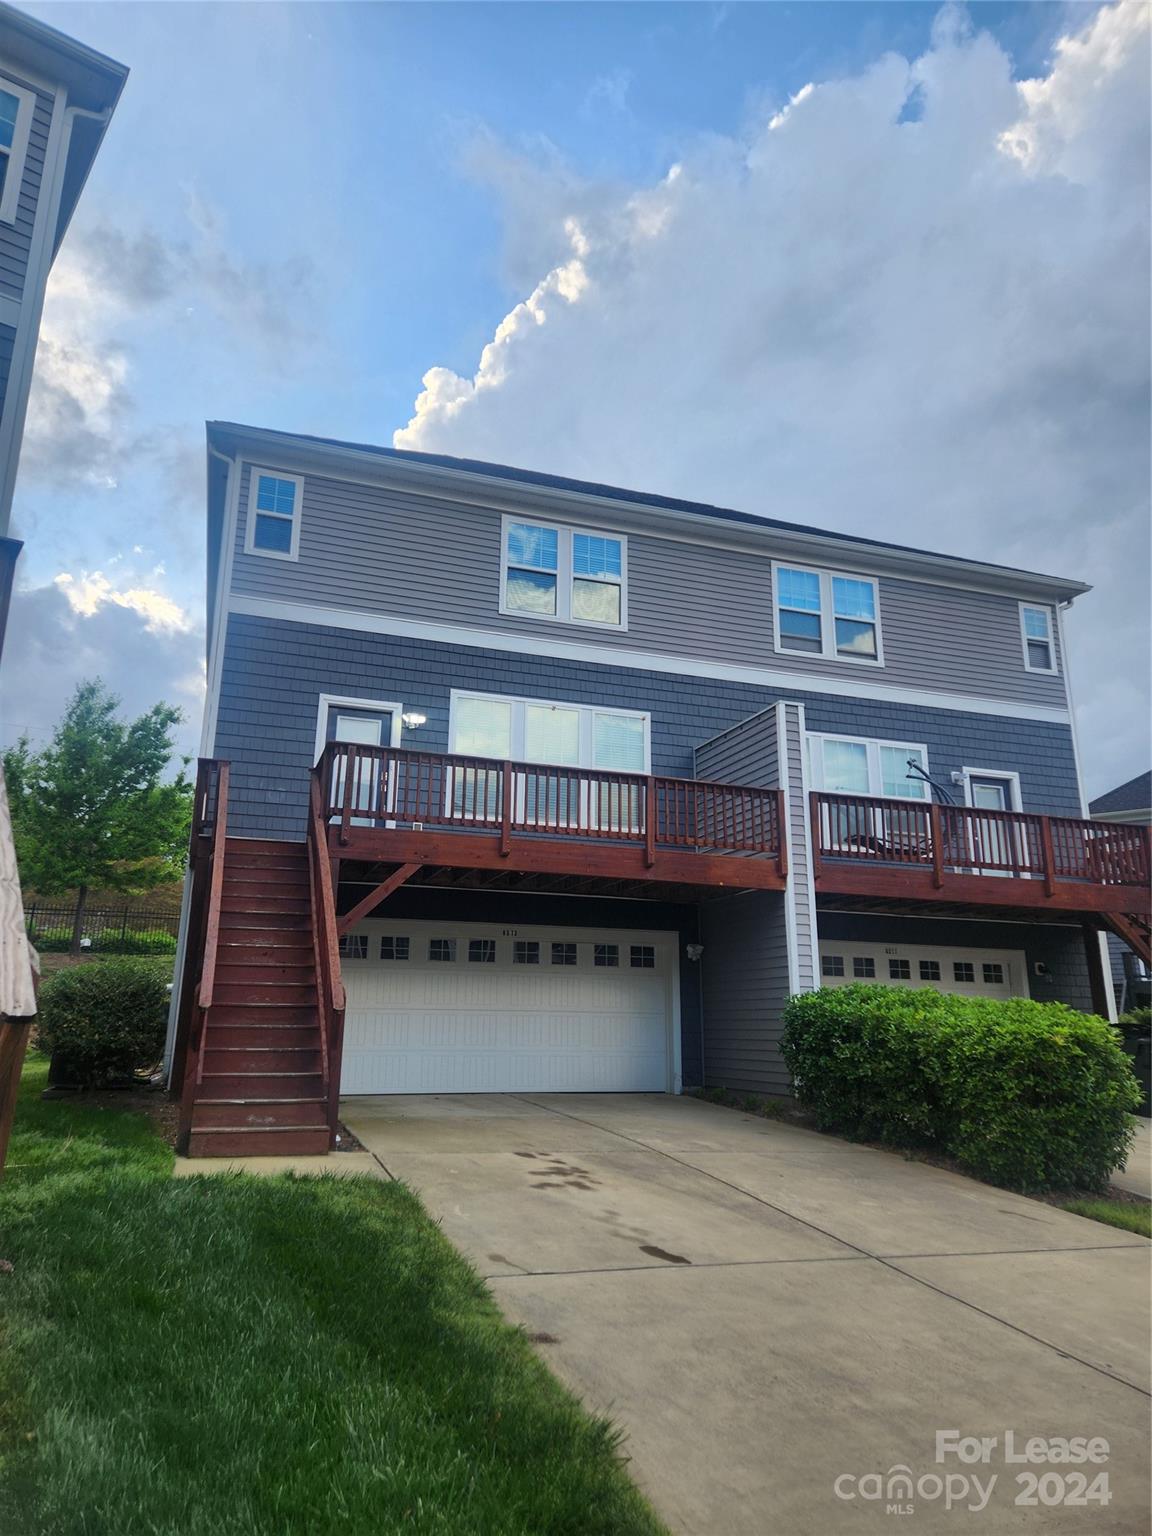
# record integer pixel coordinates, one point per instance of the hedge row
(103, 1023)
(1030, 1095)
(111, 941)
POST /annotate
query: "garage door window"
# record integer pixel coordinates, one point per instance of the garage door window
(993, 974)
(643, 957)
(353, 946)
(963, 970)
(563, 954)
(863, 967)
(392, 948)
(526, 952)
(900, 970)
(832, 965)
(482, 951)
(442, 949)
(606, 954)
(929, 970)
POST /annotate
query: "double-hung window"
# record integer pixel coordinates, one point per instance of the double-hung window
(273, 522)
(823, 613)
(551, 572)
(16, 108)
(1036, 633)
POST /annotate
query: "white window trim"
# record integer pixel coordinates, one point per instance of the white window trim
(18, 154)
(828, 651)
(1046, 609)
(587, 712)
(250, 547)
(1007, 775)
(875, 777)
(330, 701)
(564, 573)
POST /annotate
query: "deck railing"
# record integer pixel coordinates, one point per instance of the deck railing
(396, 786)
(968, 840)
(326, 953)
(201, 939)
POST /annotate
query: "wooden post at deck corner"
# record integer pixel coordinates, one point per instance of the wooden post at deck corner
(18, 979)
(1098, 981)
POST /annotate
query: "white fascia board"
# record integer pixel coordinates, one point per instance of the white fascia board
(646, 661)
(517, 496)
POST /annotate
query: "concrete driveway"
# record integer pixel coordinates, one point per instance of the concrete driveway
(771, 1315)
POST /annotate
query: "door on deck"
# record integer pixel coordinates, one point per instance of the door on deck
(366, 728)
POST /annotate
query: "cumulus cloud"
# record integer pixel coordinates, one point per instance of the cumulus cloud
(911, 303)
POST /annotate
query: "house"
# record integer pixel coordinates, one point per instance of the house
(1131, 805)
(56, 98)
(512, 782)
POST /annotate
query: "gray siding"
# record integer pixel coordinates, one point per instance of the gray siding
(7, 340)
(744, 974)
(378, 550)
(274, 672)
(1059, 947)
(747, 754)
(15, 239)
(799, 849)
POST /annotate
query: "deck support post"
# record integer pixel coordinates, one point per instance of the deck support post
(1094, 954)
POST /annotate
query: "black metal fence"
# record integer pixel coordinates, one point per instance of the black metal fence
(104, 930)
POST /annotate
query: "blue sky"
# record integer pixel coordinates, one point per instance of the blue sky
(300, 209)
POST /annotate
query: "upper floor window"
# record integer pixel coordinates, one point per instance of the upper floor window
(16, 108)
(564, 573)
(857, 765)
(273, 525)
(824, 614)
(1036, 632)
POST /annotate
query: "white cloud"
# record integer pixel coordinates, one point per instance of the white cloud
(912, 303)
(87, 593)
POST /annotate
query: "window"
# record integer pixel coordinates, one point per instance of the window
(848, 765)
(832, 965)
(899, 970)
(564, 573)
(353, 946)
(539, 731)
(606, 954)
(482, 951)
(526, 952)
(563, 954)
(643, 957)
(863, 966)
(993, 973)
(1036, 633)
(821, 613)
(963, 970)
(16, 108)
(929, 970)
(273, 523)
(394, 949)
(442, 949)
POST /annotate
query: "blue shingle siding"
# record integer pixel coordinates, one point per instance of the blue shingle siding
(274, 671)
(1058, 946)
(744, 979)
(16, 239)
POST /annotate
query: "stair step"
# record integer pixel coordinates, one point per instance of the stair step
(295, 846)
(264, 1114)
(291, 994)
(257, 1036)
(268, 923)
(284, 1141)
(256, 1058)
(222, 1015)
(241, 883)
(261, 1085)
(238, 969)
(235, 951)
(266, 902)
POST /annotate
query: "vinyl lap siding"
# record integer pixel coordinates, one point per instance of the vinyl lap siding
(379, 550)
(745, 985)
(7, 339)
(15, 239)
(799, 850)
(747, 754)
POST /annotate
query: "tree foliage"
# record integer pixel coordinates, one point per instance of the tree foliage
(92, 808)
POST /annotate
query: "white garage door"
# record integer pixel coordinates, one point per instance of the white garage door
(480, 1008)
(969, 972)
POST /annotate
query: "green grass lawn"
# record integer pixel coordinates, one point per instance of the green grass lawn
(1132, 1216)
(228, 1354)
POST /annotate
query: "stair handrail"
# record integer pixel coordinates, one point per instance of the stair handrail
(329, 981)
(216, 887)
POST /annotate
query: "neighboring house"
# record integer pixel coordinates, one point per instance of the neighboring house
(1130, 804)
(601, 779)
(56, 97)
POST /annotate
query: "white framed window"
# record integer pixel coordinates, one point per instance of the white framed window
(272, 526)
(540, 731)
(16, 108)
(858, 765)
(832, 614)
(442, 950)
(1038, 637)
(574, 575)
(353, 946)
(606, 955)
(395, 947)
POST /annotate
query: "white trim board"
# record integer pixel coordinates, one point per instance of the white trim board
(645, 661)
(1009, 776)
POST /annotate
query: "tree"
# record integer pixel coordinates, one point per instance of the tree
(90, 809)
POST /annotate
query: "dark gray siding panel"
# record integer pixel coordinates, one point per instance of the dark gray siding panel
(7, 339)
(747, 754)
(1059, 947)
(274, 672)
(15, 239)
(379, 550)
(744, 975)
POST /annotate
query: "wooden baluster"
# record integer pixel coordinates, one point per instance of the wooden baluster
(937, 849)
(1047, 855)
(506, 793)
(348, 755)
(775, 808)
(816, 814)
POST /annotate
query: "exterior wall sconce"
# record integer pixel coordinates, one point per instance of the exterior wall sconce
(414, 721)
(694, 951)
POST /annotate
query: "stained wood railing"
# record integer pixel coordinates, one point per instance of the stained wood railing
(396, 786)
(202, 935)
(957, 839)
(326, 949)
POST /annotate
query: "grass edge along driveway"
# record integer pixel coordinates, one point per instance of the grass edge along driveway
(224, 1355)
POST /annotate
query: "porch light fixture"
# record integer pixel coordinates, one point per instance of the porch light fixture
(414, 721)
(694, 951)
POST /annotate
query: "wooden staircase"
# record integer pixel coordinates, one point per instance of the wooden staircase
(1135, 929)
(260, 1084)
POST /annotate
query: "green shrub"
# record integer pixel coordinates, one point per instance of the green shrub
(102, 1023)
(1029, 1095)
(1137, 1021)
(108, 941)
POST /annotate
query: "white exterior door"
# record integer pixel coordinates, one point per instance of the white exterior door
(485, 1008)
